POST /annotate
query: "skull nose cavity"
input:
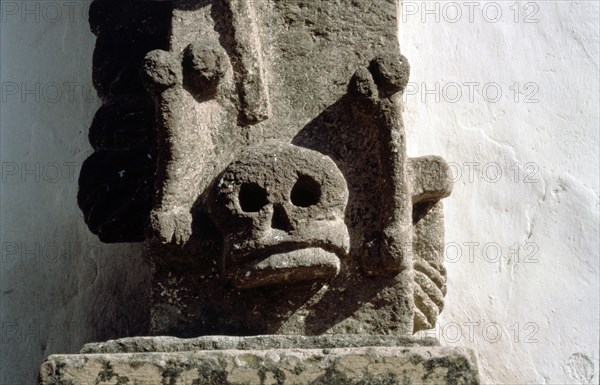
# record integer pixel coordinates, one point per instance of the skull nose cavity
(252, 197)
(280, 219)
(306, 192)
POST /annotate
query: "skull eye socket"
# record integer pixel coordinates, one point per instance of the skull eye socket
(306, 192)
(252, 197)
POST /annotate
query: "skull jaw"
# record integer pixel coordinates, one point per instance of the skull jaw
(308, 264)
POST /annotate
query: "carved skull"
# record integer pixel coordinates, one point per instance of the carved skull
(280, 209)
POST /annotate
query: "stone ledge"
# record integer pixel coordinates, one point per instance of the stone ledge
(174, 344)
(338, 366)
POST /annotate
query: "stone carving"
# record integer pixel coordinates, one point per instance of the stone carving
(258, 149)
(271, 181)
(280, 209)
(116, 204)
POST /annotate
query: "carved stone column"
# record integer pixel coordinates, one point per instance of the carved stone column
(258, 148)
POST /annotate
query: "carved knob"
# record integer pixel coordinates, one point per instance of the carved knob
(391, 73)
(204, 66)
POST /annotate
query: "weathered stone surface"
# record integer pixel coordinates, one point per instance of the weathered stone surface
(338, 366)
(116, 182)
(280, 209)
(276, 195)
(173, 344)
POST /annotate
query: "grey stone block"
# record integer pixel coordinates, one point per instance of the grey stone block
(258, 149)
(241, 361)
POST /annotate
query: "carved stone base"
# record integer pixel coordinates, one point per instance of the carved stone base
(264, 360)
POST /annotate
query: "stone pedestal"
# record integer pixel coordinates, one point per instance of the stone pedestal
(264, 360)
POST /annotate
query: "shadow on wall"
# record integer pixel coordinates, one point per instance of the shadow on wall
(60, 286)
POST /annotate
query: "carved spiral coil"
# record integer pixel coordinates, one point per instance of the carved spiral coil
(429, 270)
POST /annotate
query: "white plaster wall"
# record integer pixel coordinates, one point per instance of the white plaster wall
(526, 175)
(59, 286)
